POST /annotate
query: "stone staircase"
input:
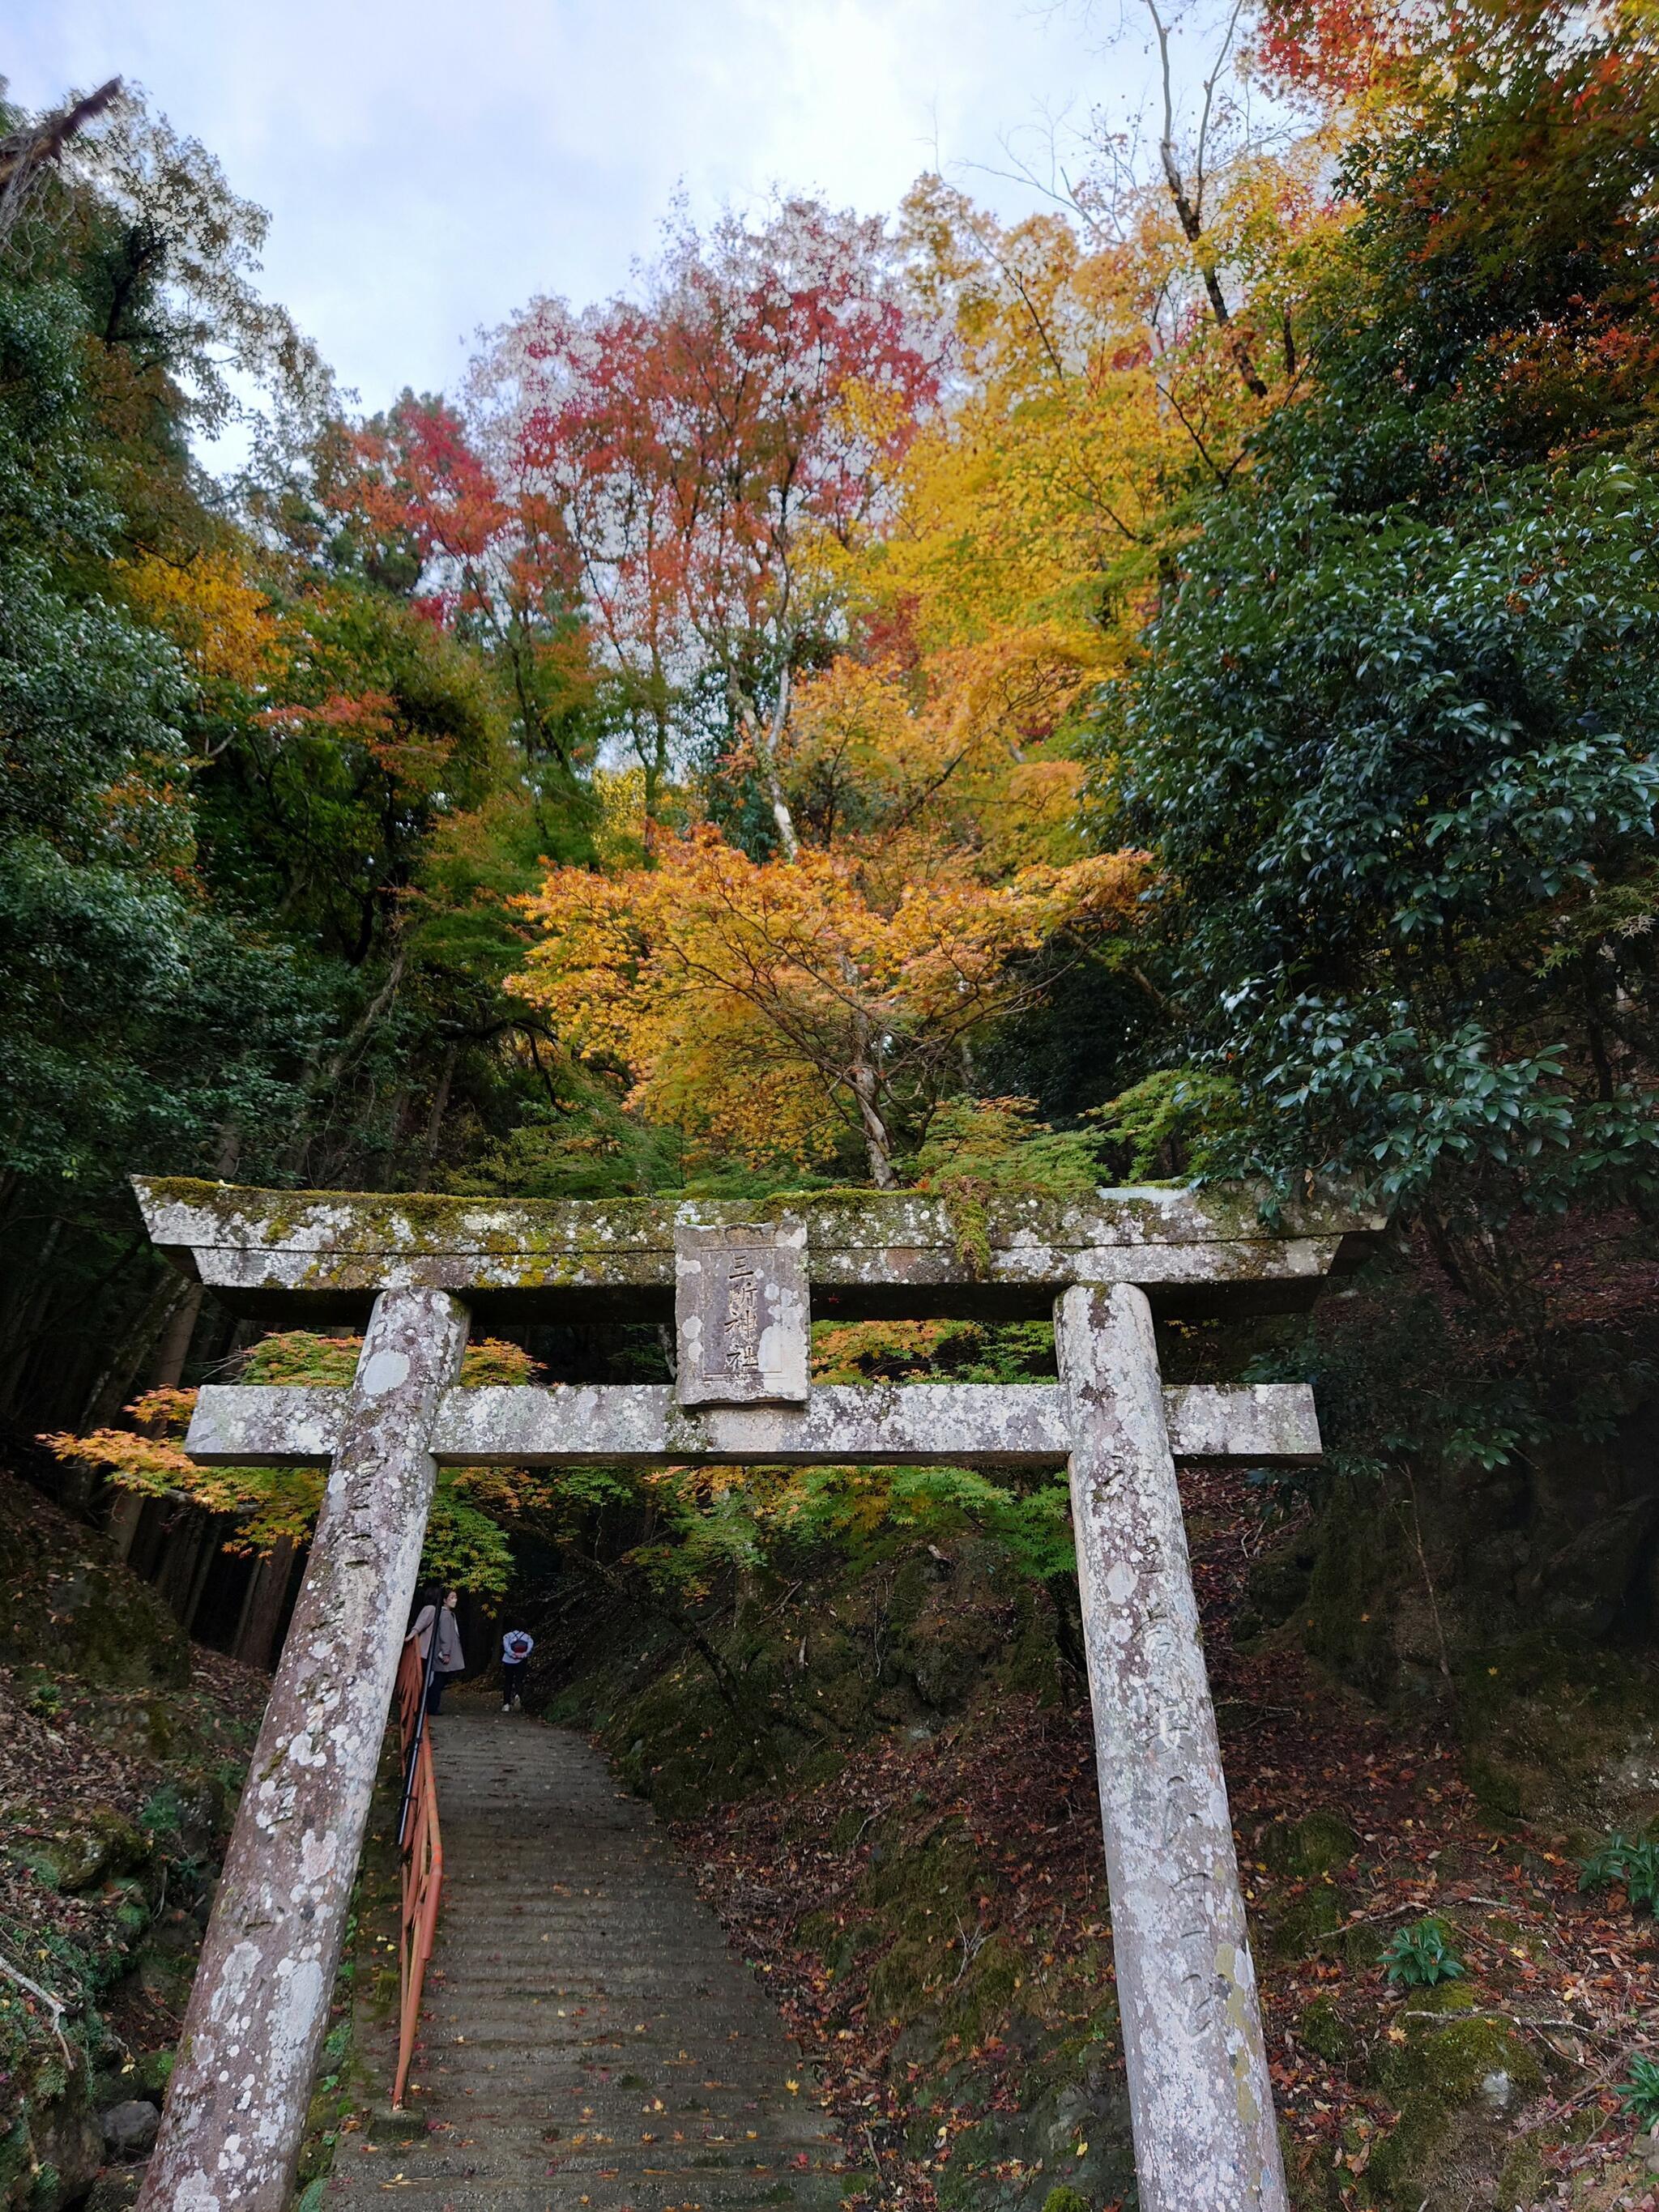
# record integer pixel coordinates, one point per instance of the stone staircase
(588, 2039)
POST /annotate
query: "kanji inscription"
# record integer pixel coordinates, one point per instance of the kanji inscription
(741, 1308)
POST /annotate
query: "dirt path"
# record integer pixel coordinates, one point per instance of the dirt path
(589, 2039)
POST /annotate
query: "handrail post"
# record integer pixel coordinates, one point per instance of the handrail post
(411, 1748)
(421, 1873)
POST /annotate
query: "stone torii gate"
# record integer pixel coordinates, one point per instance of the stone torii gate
(740, 1282)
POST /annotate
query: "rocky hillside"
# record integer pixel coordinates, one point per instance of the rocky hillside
(121, 1752)
(905, 1838)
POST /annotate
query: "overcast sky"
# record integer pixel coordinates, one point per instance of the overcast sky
(428, 168)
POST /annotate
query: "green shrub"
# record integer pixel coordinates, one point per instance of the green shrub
(1638, 2095)
(1635, 1864)
(1417, 1958)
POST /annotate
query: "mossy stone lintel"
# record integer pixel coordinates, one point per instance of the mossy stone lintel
(260, 1247)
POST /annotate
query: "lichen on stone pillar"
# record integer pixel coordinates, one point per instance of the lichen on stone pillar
(258, 2009)
(1200, 2100)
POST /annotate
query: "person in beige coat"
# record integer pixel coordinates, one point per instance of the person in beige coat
(451, 1659)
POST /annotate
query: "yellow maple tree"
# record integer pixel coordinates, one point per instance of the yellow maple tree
(1109, 360)
(219, 616)
(779, 1007)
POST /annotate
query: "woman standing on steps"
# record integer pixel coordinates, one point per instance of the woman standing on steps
(450, 1660)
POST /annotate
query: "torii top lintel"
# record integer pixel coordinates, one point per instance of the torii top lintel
(276, 1253)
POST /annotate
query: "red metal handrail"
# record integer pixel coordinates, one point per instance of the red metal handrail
(423, 1853)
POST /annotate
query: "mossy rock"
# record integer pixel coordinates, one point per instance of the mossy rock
(926, 1883)
(1343, 1622)
(985, 1991)
(1312, 2186)
(848, 1946)
(69, 1606)
(849, 1828)
(1362, 1944)
(1442, 2000)
(40, 1863)
(1302, 1850)
(99, 1845)
(1497, 1789)
(1524, 2175)
(1276, 1589)
(64, 2145)
(818, 1932)
(1307, 1925)
(1322, 2030)
(1561, 1730)
(152, 2070)
(1007, 2161)
(946, 1633)
(114, 2193)
(908, 1977)
(1453, 2084)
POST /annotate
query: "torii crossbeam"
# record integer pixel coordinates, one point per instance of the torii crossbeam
(741, 1283)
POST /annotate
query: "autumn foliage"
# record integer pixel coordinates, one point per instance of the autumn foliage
(770, 1007)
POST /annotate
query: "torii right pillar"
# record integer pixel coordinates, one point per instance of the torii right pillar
(1199, 2097)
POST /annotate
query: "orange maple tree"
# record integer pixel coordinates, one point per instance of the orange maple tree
(778, 1007)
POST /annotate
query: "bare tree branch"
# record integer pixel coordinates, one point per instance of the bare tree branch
(1188, 206)
(26, 154)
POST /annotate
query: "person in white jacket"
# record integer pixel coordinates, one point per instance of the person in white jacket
(517, 1645)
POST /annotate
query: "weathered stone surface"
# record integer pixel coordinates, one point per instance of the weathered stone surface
(266, 1424)
(268, 1249)
(1203, 2112)
(236, 2105)
(1272, 1422)
(740, 1314)
(129, 2128)
(1200, 2100)
(885, 1424)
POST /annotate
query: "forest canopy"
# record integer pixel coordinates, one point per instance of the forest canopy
(1164, 687)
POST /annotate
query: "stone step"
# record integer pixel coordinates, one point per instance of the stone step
(578, 2103)
(679, 2191)
(634, 2094)
(578, 1980)
(506, 2149)
(526, 2115)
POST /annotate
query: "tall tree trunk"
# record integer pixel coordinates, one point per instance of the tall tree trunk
(766, 741)
(124, 1515)
(166, 1373)
(212, 1534)
(435, 1120)
(262, 1612)
(120, 1370)
(183, 1542)
(172, 1346)
(878, 1144)
(25, 1299)
(167, 1320)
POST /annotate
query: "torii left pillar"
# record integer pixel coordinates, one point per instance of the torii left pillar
(236, 2105)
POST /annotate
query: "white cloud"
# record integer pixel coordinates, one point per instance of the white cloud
(429, 167)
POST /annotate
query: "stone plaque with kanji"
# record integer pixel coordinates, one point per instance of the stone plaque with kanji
(741, 1314)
